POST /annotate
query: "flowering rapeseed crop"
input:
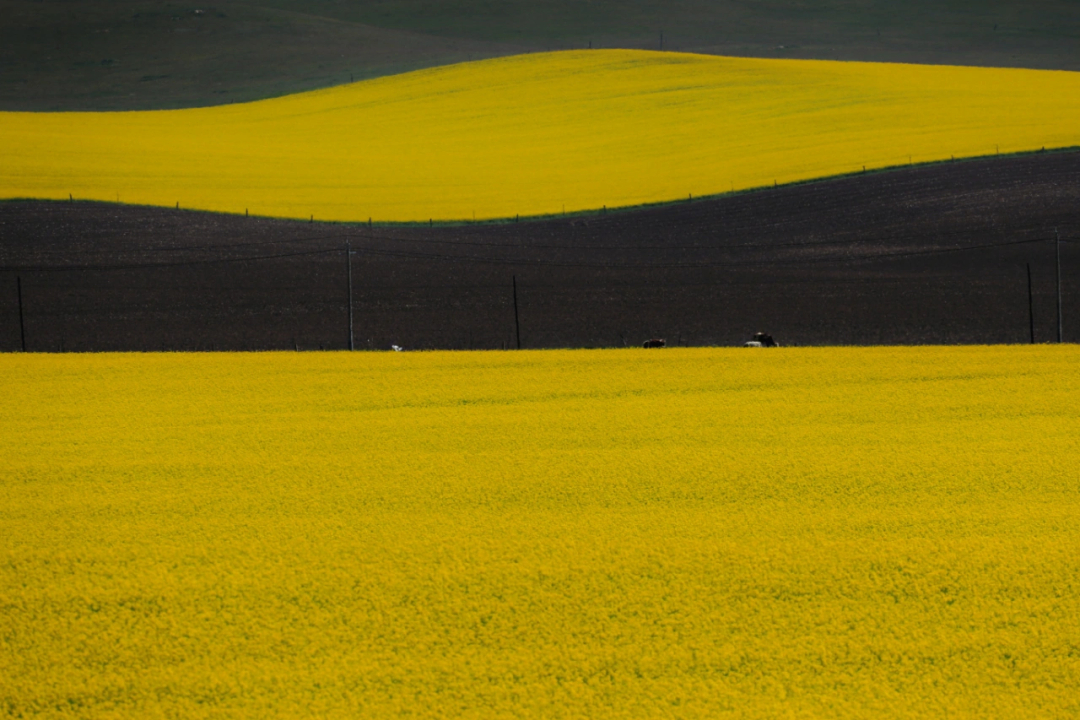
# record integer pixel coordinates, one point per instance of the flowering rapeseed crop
(538, 134)
(685, 533)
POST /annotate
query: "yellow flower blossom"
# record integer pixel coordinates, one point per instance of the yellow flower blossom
(693, 533)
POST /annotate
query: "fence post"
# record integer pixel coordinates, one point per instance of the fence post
(1057, 242)
(348, 262)
(22, 324)
(1031, 307)
(517, 323)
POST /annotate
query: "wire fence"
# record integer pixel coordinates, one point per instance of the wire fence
(434, 292)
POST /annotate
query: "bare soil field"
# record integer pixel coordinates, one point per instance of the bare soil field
(933, 254)
(147, 54)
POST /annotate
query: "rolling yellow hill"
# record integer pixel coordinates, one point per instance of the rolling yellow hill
(537, 134)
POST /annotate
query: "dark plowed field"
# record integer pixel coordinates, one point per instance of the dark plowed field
(932, 254)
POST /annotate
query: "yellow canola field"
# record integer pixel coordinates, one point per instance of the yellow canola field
(538, 134)
(693, 533)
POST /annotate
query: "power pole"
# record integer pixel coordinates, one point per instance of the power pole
(517, 323)
(1030, 304)
(348, 262)
(22, 325)
(1057, 242)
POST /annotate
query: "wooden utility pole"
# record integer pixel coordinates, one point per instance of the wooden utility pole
(517, 323)
(1031, 307)
(22, 325)
(348, 262)
(1057, 241)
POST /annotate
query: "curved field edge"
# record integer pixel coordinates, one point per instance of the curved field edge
(138, 54)
(839, 532)
(604, 210)
(924, 255)
(539, 135)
